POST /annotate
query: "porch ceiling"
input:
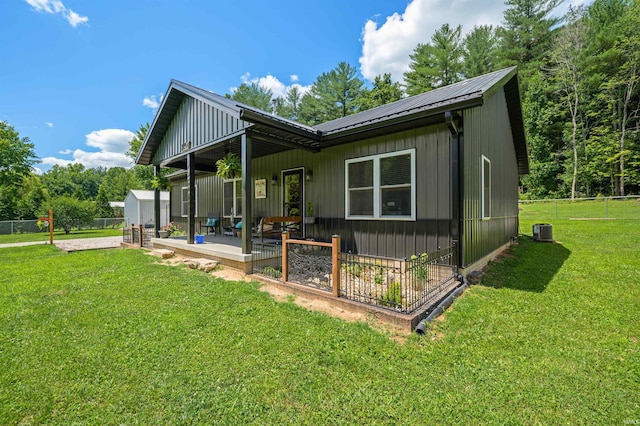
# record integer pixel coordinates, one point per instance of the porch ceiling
(265, 141)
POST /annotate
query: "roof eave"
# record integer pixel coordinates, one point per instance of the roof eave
(390, 121)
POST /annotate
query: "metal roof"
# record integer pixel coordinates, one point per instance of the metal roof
(448, 97)
(144, 195)
(264, 123)
(410, 112)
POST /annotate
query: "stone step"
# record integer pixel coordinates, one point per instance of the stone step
(202, 264)
(162, 253)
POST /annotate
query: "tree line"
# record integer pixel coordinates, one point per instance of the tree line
(579, 88)
(84, 192)
(578, 76)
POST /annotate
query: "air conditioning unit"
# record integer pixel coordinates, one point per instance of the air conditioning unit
(543, 232)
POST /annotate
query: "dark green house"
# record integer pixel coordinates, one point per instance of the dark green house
(435, 170)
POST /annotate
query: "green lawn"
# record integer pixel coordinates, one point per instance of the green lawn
(580, 209)
(113, 337)
(59, 235)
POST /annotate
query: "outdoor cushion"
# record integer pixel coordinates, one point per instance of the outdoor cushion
(212, 222)
(238, 225)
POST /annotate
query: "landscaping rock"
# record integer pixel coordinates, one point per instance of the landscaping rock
(475, 277)
(206, 265)
(162, 253)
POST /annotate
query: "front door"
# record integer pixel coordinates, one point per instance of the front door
(293, 192)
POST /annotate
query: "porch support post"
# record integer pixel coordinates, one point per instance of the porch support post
(247, 193)
(191, 181)
(156, 203)
(457, 230)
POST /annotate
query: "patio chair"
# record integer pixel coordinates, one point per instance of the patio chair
(212, 223)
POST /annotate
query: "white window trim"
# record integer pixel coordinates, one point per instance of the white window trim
(483, 161)
(182, 201)
(235, 208)
(377, 214)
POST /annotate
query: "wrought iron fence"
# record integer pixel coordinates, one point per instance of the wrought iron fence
(133, 234)
(266, 259)
(310, 265)
(401, 285)
(394, 284)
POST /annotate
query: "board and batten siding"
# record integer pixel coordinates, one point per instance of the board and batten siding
(209, 190)
(390, 238)
(198, 123)
(487, 132)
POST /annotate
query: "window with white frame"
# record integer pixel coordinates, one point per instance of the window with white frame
(381, 186)
(486, 187)
(232, 203)
(184, 201)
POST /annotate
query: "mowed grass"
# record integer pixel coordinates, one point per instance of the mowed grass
(59, 235)
(545, 210)
(113, 337)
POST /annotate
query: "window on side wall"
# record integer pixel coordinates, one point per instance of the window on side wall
(232, 203)
(381, 186)
(486, 187)
(184, 201)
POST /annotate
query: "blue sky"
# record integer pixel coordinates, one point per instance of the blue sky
(79, 77)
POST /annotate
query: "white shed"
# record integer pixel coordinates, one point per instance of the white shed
(138, 208)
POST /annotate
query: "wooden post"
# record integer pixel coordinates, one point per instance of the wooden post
(335, 264)
(50, 226)
(141, 236)
(285, 260)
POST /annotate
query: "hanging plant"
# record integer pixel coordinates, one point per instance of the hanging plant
(229, 166)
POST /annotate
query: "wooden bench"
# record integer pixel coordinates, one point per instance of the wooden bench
(276, 225)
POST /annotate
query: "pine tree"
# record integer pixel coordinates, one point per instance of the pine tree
(480, 51)
(436, 64)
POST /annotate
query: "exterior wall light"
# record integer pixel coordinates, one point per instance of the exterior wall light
(274, 180)
(309, 175)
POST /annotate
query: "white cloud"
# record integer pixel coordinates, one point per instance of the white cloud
(110, 140)
(386, 47)
(56, 7)
(278, 88)
(153, 101)
(49, 124)
(74, 19)
(272, 83)
(53, 161)
(37, 171)
(112, 145)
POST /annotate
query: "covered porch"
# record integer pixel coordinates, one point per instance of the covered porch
(194, 129)
(225, 249)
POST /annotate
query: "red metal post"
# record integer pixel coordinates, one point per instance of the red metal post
(51, 226)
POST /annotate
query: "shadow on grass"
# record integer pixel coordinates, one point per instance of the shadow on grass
(527, 266)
